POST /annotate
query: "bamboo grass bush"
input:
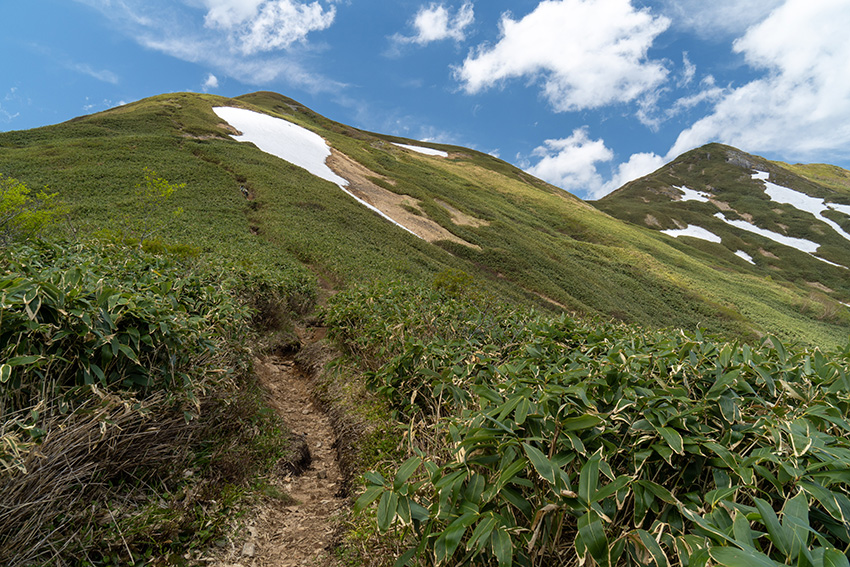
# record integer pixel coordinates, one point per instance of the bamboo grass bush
(560, 442)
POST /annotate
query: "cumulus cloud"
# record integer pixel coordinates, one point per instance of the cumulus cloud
(256, 26)
(800, 107)
(570, 163)
(437, 23)
(211, 82)
(573, 164)
(585, 53)
(253, 41)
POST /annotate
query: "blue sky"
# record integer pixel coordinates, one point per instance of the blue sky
(586, 94)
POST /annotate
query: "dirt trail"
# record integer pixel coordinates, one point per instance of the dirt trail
(300, 532)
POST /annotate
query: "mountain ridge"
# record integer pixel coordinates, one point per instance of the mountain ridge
(536, 243)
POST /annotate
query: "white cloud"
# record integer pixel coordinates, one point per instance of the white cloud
(800, 108)
(103, 75)
(586, 53)
(253, 41)
(256, 26)
(436, 23)
(689, 70)
(211, 82)
(718, 17)
(638, 165)
(570, 163)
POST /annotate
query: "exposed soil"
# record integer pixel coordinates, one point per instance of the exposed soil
(297, 527)
(397, 207)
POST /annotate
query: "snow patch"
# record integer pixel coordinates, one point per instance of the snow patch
(800, 244)
(744, 256)
(293, 143)
(693, 231)
(691, 195)
(803, 202)
(423, 150)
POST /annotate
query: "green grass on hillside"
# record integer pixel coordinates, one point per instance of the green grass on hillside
(539, 245)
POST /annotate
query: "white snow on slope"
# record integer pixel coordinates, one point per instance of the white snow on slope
(744, 256)
(800, 244)
(424, 150)
(694, 231)
(283, 139)
(691, 195)
(291, 143)
(803, 202)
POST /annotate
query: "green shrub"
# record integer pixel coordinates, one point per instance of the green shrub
(562, 442)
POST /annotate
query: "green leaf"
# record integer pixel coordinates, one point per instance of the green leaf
(795, 520)
(22, 360)
(612, 487)
(386, 510)
(481, 533)
(741, 530)
(672, 438)
(544, 467)
(448, 542)
(734, 557)
(367, 497)
(775, 530)
(522, 410)
(509, 472)
(405, 558)
(592, 534)
(589, 478)
(582, 422)
(502, 547)
(649, 543)
(5, 373)
(375, 478)
(405, 471)
(834, 558)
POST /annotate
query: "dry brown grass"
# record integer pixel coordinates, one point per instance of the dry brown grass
(51, 505)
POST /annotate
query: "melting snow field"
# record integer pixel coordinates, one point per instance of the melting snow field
(423, 150)
(803, 202)
(744, 256)
(291, 143)
(800, 244)
(694, 231)
(691, 195)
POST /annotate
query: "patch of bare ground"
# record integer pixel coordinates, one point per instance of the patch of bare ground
(651, 221)
(296, 525)
(768, 254)
(395, 206)
(461, 218)
(820, 286)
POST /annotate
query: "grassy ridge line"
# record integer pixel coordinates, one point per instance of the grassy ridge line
(539, 242)
(536, 438)
(726, 173)
(545, 240)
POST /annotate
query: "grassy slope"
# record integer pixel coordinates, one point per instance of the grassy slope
(540, 241)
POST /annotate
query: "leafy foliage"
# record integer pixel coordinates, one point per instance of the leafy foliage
(23, 214)
(569, 442)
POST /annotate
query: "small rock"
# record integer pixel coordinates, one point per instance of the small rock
(305, 411)
(248, 549)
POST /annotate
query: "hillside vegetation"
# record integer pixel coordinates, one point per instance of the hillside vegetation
(536, 244)
(725, 176)
(553, 386)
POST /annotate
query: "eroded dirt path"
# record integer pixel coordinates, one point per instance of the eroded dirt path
(299, 532)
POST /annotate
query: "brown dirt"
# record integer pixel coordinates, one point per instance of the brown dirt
(391, 204)
(297, 529)
(461, 218)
